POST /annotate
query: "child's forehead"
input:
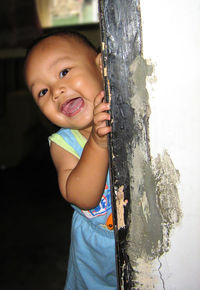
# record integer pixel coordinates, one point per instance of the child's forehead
(56, 50)
(61, 46)
(71, 43)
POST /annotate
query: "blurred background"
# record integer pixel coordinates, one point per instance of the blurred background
(35, 219)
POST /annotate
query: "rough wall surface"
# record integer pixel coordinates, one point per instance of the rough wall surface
(145, 196)
(170, 35)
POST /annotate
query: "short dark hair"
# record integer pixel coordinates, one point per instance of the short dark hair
(62, 32)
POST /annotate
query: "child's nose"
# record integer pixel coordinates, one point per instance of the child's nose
(57, 92)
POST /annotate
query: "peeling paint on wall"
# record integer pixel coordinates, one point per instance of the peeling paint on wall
(149, 185)
(120, 203)
(166, 178)
(140, 101)
(155, 206)
(145, 276)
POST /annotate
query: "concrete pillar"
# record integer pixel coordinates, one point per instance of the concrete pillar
(151, 60)
(171, 44)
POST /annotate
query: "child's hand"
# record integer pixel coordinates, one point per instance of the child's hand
(100, 127)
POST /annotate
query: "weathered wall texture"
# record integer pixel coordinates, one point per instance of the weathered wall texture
(171, 45)
(155, 129)
(155, 206)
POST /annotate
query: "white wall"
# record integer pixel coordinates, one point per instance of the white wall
(171, 41)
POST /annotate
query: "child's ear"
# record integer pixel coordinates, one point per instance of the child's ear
(99, 62)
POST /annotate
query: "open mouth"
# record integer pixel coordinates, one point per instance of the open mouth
(72, 107)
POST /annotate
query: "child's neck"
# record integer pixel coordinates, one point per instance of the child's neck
(86, 132)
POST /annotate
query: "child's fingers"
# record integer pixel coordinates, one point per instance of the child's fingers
(99, 98)
(102, 131)
(102, 107)
(101, 117)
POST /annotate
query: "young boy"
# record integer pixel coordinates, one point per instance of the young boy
(64, 74)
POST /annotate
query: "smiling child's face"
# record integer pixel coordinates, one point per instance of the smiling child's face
(64, 76)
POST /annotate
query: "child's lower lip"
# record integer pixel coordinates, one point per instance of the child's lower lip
(72, 107)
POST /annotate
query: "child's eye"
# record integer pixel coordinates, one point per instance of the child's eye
(43, 92)
(63, 73)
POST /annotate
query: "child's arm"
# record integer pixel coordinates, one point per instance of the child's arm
(82, 181)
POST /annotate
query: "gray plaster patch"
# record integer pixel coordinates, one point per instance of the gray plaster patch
(155, 206)
(140, 70)
(166, 178)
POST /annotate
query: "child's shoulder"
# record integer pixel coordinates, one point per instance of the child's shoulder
(70, 140)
